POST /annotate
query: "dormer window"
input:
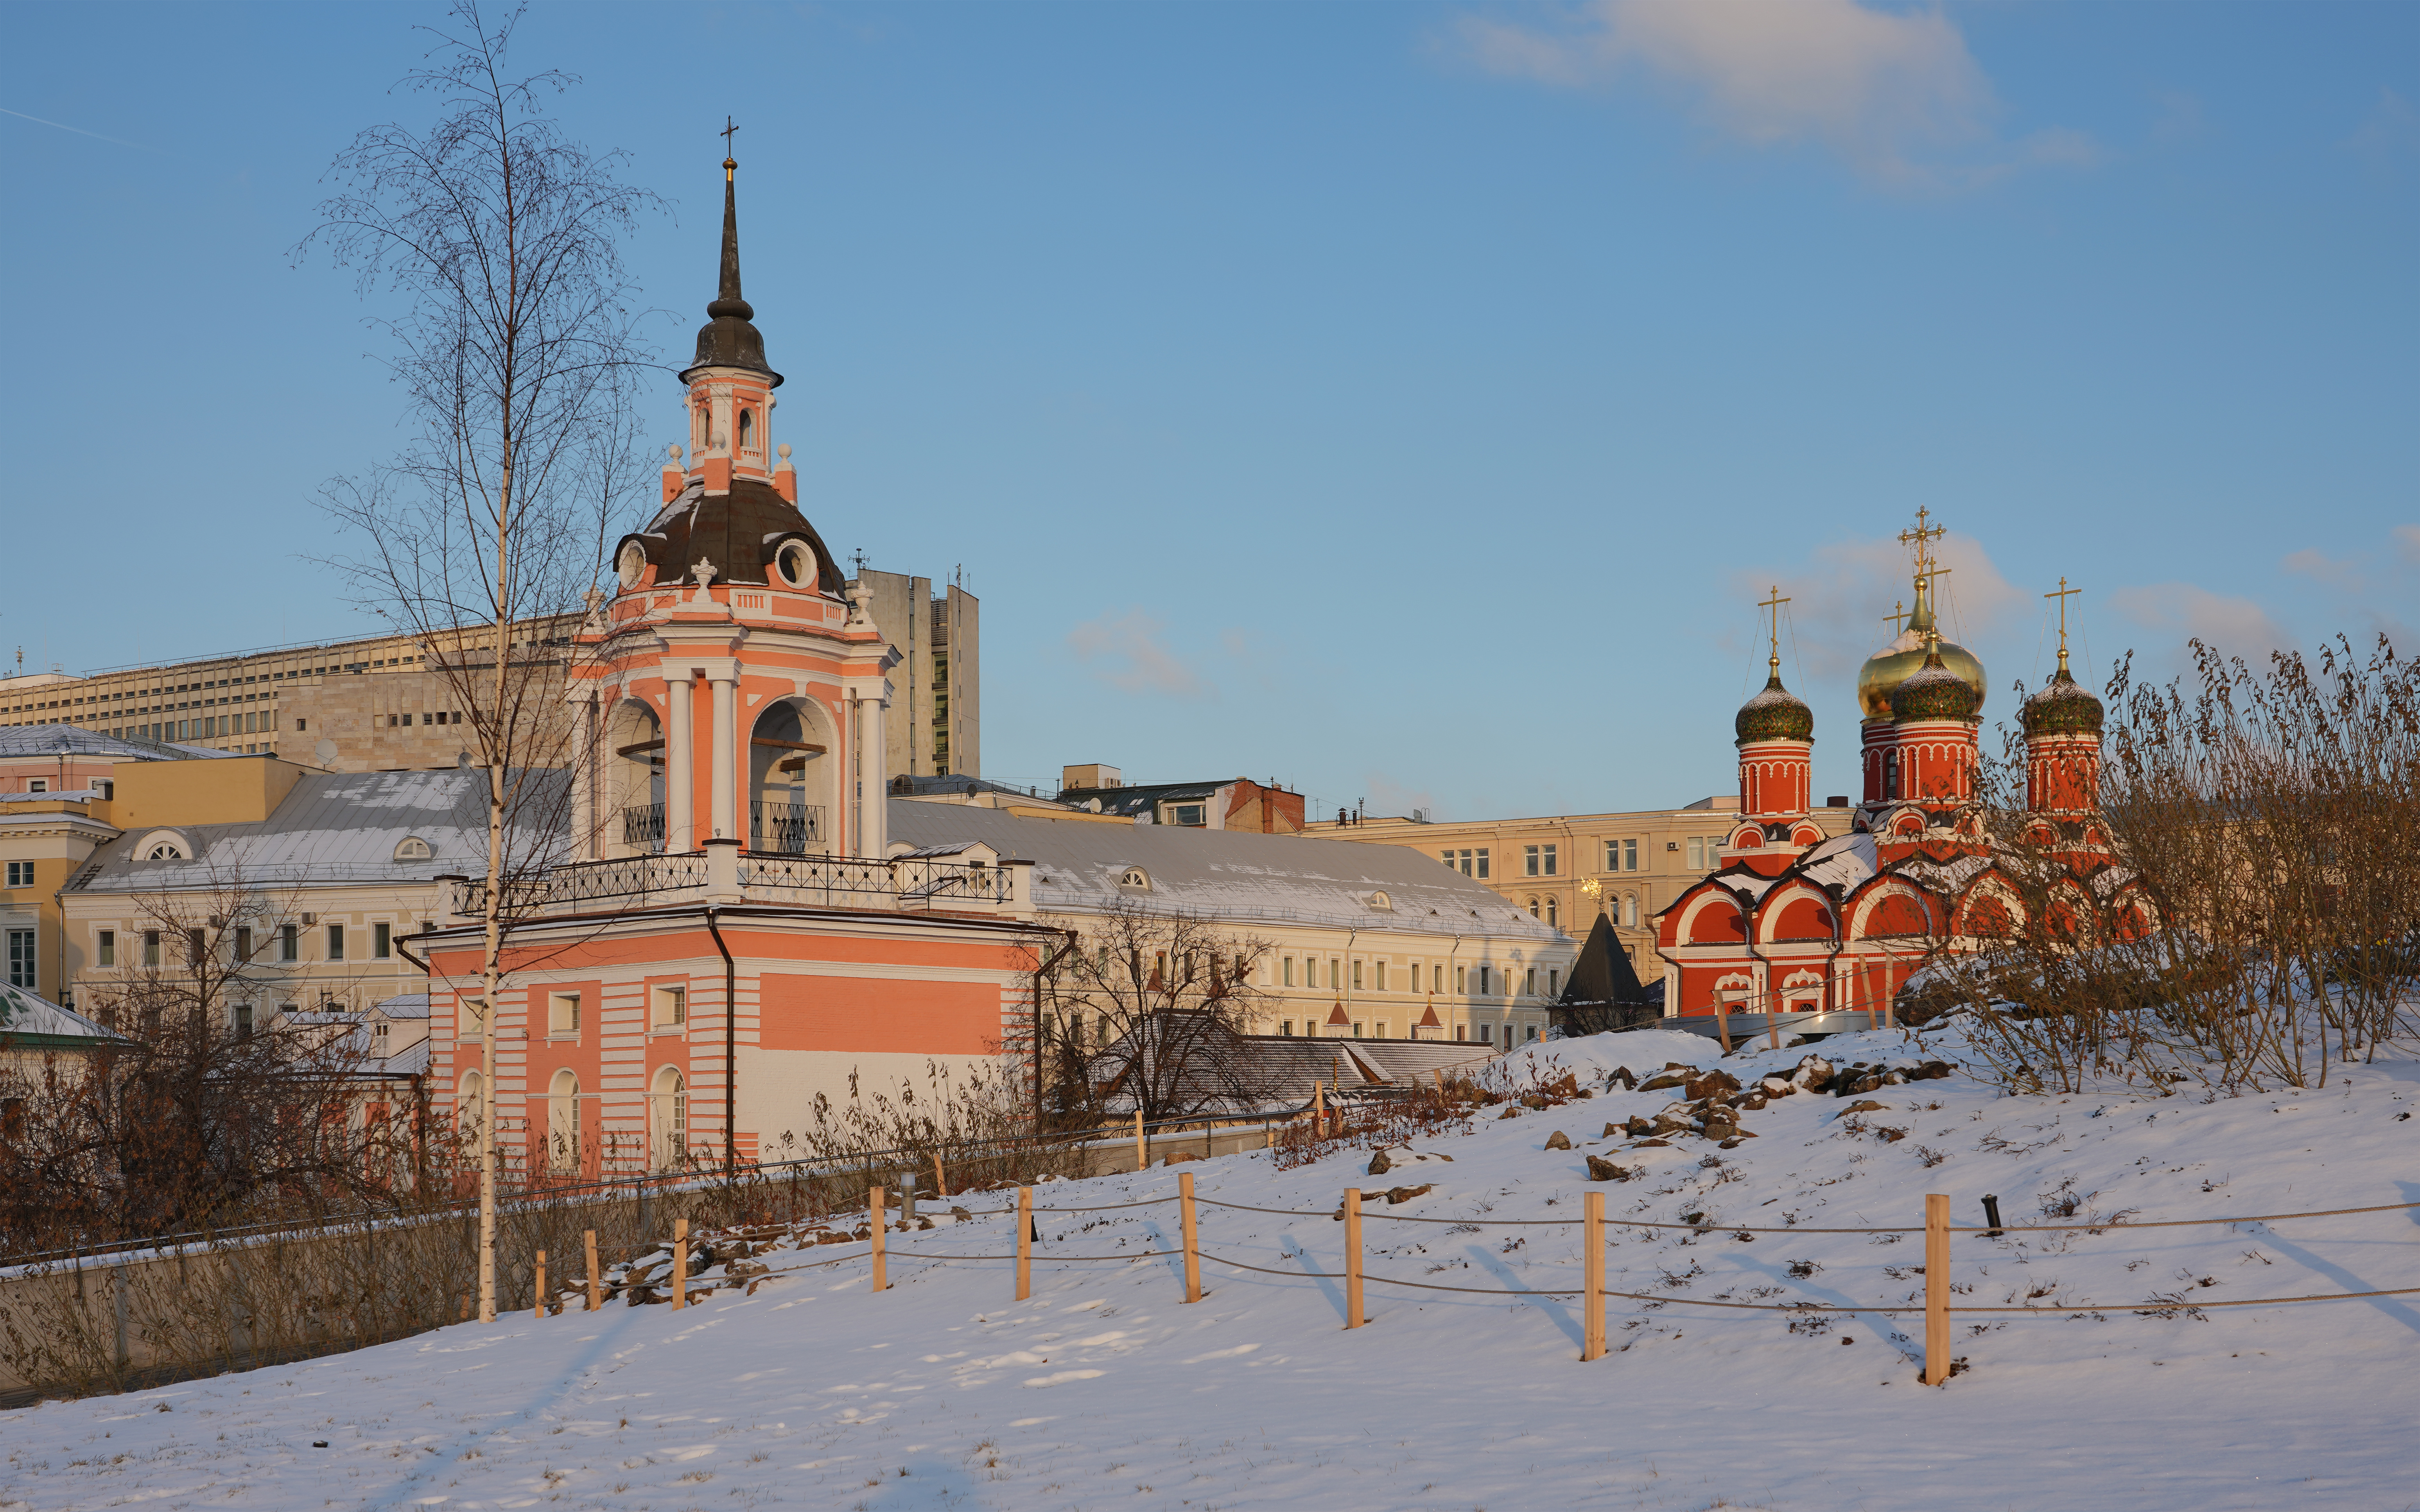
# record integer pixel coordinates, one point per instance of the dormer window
(412, 848)
(1379, 900)
(1137, 878)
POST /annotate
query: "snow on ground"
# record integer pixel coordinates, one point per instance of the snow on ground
(1106, 1391)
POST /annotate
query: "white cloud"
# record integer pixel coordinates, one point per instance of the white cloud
(2407, 543)
(1890, 92)
(2233, 626)
(1834, 621)
(1131, 656)
(2317, 566)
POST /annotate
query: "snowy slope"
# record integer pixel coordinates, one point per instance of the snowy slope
(1106, 1391)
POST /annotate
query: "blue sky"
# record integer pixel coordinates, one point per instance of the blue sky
(1405, 401)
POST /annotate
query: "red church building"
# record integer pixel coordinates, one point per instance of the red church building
(1791, 923)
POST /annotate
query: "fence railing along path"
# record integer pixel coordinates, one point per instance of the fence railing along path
(1936, 1229)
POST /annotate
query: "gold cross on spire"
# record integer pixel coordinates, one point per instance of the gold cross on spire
(1922, 538)
(728, 162)
(2064, 594)
(1774, 604)
(1897, 616)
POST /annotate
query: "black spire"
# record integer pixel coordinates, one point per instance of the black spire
(727, 339)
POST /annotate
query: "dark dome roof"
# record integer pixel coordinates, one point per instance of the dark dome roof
(1935, 693)
(1776, 714)
(2063, 707)
(739, 531)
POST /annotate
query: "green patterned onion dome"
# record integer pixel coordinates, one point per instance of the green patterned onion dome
(1776, 714)
(2063, 707)
(1935, 693)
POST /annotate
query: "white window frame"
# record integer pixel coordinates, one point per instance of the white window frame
(563, 1015)
(668, 1008)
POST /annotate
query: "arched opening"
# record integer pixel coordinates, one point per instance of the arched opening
(470, 1113)
(668, 1118)
(789, 774)
(563, 1122)
(748, 430)
(1630, 910)
(635, 796)
(1554, 915)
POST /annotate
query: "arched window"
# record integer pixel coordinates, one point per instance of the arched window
(1630, 910)
(668, 1117)
(748, 430)
(1135, 877)
(1554, 914)
(563, 1122)
(412, 848)
(470, 1110)
(1533, 908)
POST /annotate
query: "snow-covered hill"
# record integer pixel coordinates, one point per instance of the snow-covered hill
(1106, 1391)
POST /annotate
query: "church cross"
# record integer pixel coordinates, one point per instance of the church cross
(725, 134)
(2064, 594)
(1774, 604)
(1922, 538)
(1897, 616)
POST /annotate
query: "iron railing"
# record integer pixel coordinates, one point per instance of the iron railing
(642, 824)
(784, 829)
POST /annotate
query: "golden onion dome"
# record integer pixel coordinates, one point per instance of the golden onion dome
(1898, 661)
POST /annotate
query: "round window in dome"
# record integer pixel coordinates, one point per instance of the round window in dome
(631, 564)
(795, 563)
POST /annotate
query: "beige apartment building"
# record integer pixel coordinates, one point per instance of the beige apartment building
(934, 725)
(1566, 870)
(376, 705)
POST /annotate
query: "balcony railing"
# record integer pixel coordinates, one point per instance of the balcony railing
(723, 874)
(643, 824)
(784, 829)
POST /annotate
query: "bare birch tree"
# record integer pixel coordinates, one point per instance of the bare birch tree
(514, 345)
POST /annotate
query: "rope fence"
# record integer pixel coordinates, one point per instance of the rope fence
(1937, 1308)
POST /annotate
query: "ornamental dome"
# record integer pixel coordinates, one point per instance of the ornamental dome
(1935, 693)
(1776, 714)
(1894, 664)
(2063, 707)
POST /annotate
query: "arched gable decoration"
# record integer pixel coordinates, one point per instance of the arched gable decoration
(1713, 919)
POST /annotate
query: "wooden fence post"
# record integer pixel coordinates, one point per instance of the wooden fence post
(1142, 1142)
(595, 1282)
(1024, 1243)
(1353, 1257)
(940, 1183)
(1592, 1277)
(875, 1219)
(1936, 1288)
(539, 1286)
(1723, 1020)
(1192, 1238)
(1319, 1110)
(680, 1263)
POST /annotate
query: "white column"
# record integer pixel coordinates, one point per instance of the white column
(680, 820)
(876, 833)
(724, 680)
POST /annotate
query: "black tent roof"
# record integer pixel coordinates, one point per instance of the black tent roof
(1602, 975)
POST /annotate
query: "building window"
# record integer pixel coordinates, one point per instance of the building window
(1289, 971)
(1357, 985)
(671, 1007)
(1437, 978)
(1533, 1034)
(1552, 863)
(562, 1121)
(336, 942)
(106, 948)
(1189, 814)
(747, 430)
(381, 942)
(1533, 907)
(669, 1113)
(244, 944)
(1461, 981)
(1458, 1031)
(1554, 914)
(289, 943)
(1382, 987)
(1382, 1028)
(20, 958)
(563, 1014)
(473, 1024)
(1530, 982)
(150, 947)
(21, 873)
(1554, 982)
(239, 1019)
(1528, 860)
(1286, 1028)
(1484, 1034)
(40, 784)
(1630, 910)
